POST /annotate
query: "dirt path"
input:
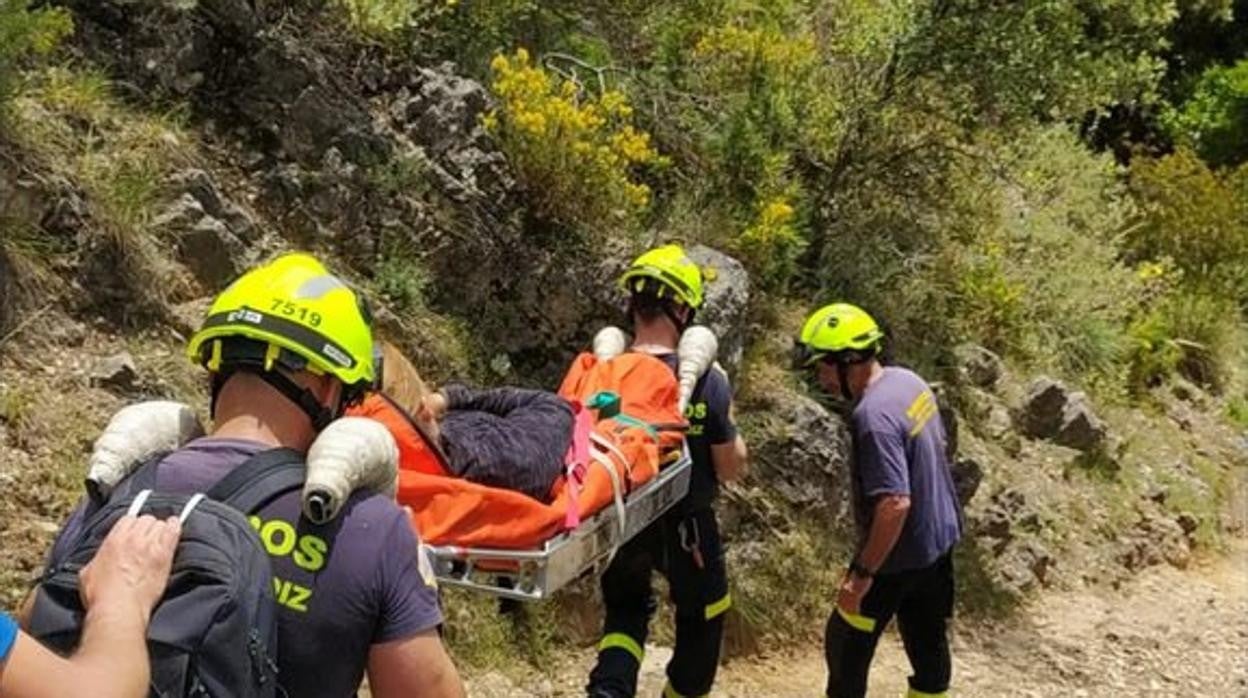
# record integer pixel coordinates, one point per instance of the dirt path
(1167, 633)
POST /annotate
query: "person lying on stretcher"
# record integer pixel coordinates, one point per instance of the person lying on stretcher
(500, 437)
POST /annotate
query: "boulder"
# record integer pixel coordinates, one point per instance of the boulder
(1081, 429)
(978, 366)
(117, 373)
(727, 285)
(1041, 415)
(967, 476)
(1155, 539)
(1024, 566)
(1053, 412)
(204, 243)
(211, 252)
(441, 111)
(181, 215)
(801, 451)
(187, 317)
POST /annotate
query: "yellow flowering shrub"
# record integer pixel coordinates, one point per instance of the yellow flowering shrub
(772, 241)
(576, 154)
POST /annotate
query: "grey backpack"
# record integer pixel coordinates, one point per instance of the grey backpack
(214, 633)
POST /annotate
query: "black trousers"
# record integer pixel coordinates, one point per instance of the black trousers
(922, 601)
(686, 548)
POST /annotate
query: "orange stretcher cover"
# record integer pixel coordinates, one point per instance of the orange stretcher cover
(452, 511)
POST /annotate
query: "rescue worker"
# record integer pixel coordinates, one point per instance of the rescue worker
(665, 291)
(905, 507)
(120, 586)
(288, 347)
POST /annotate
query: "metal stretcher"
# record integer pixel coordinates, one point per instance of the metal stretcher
(536, 574)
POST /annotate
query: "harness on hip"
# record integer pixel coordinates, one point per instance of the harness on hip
(691, 540)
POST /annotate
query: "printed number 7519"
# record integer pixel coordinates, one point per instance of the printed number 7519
(292, 310)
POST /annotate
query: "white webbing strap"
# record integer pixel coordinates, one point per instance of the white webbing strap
(190, 507)
(601, 454)
(607, 445)
(136, 506)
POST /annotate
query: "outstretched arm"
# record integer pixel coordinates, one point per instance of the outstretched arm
(119, 588)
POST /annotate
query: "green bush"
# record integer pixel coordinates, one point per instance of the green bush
(1189, 333)
(1214, 120)
(378, 17)
(1237, 411)
(1196, 217)
(23, 32)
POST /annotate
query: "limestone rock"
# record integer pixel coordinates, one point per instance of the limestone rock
(978, 366)
(1051, 411)
(116, 373)
(727, 285)
(804, 456)
(967, 476)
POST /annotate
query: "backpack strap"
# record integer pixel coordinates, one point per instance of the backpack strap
(261, 479)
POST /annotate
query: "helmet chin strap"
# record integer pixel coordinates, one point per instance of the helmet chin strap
(304, 399)
(842, 376)
(681, 325)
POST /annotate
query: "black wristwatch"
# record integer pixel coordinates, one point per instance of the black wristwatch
(860, 570)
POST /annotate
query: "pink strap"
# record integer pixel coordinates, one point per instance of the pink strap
(576, 460)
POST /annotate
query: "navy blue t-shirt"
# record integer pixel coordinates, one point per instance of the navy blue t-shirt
(899, 448)
(340, 589)
(709, 414)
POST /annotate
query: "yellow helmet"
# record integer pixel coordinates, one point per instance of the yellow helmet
(295, 314)
(841, 330)
(666, 270)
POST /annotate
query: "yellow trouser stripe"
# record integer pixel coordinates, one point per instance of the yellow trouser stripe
(669, 692)
(920, 694)
(718, 608)
(622, 642)
(863, 623)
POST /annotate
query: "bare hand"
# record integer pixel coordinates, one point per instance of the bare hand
(437, 405)
(132, 566)
(853, 589)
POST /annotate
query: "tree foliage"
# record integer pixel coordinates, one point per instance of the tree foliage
(925, 160)
(1214, 120)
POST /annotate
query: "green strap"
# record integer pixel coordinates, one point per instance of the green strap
(608, 405)
(912, 693)
(629, 420)
(605, 402)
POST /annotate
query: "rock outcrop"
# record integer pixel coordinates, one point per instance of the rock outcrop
(1052, 411)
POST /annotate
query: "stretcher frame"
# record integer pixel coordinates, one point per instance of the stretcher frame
(536, 574)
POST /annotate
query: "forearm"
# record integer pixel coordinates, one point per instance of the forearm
(111, 660)
(731, 460)
(886, 525)
(113, 653)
